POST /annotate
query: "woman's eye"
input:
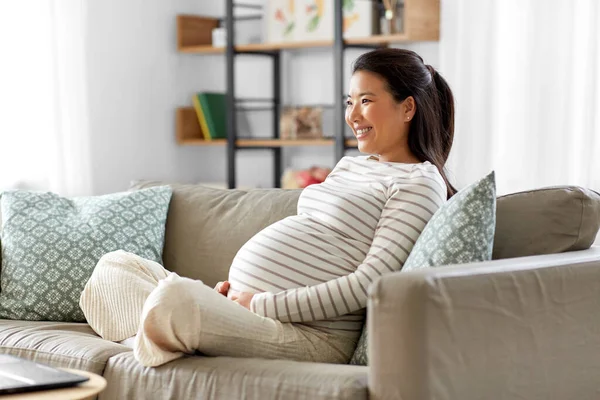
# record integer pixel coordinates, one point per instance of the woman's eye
(348, 103)
(365, 101)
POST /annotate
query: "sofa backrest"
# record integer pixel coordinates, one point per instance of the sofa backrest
(206, 226)
(546, 221)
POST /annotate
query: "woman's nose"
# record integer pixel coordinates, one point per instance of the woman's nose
(353, 114)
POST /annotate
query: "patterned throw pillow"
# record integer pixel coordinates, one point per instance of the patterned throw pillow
(461, 231)
(51, 244)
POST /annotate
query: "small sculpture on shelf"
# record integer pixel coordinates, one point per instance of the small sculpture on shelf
(391, 21)
(301, 123)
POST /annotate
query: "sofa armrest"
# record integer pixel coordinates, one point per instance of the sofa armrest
(522, 328)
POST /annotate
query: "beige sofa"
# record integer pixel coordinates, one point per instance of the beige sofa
(524, 326)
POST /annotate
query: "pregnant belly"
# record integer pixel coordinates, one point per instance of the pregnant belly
(286, 255)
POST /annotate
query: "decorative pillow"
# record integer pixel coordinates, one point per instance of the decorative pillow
(51, 244)
(461, 231)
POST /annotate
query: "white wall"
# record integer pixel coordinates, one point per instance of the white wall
(137, 79)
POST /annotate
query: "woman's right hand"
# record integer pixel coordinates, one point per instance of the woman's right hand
(222, 288)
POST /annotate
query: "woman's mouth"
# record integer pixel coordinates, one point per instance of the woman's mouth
(361, 133)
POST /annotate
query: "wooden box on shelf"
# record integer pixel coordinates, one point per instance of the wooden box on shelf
(422, 20)
(194, 31)
(188, 131)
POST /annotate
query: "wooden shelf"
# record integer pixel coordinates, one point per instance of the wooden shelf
(258, 47)
(187, 127)
(283, 142)
(202, 50)
(249, 143)
(202, 142)
(421, 23)
(383, 40)
(188, 133)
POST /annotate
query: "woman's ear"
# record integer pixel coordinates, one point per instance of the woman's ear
(410, 107)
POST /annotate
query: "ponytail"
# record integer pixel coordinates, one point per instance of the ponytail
(446, 107)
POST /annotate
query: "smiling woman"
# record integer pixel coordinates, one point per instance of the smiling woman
(298, 289)
(401, 109)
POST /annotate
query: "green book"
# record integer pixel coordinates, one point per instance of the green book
(214, 110)
(201, 120)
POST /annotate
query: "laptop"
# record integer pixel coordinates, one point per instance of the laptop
(18, 375)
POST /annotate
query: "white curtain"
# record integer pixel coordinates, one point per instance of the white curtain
(526, 76)
(44, 132)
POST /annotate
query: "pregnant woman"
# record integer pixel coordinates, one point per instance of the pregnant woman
(298, 289)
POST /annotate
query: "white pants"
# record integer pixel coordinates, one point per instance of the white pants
(172, 316)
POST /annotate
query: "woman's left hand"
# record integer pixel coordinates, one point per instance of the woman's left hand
(243, 299)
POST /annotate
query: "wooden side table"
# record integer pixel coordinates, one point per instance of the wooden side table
(84, 391)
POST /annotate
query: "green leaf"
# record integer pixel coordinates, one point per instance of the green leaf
(348, 5)
(288, 29)
(314, 23)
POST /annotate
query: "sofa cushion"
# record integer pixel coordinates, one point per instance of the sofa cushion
(546, 221)
(206, 227)
(51, 244)
(233, 378)
(65, 345)
(461, 231)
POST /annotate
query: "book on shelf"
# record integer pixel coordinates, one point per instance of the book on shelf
(212, 114)
(201, 120)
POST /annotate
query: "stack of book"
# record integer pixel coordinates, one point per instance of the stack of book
(211, 113)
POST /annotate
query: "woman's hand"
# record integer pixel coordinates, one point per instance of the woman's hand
(222, 288)
(243, 299)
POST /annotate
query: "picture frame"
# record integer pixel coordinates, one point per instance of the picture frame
(279, 21)
(315, 19)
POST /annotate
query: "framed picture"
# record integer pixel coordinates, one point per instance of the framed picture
(314, 19)
(301, 123)
(280, 21)
(360, 18)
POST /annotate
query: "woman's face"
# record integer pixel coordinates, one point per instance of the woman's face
(379, 123)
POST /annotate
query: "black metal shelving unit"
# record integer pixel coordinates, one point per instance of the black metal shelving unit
(233, 103)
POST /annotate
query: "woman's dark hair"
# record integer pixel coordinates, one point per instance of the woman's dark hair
(432, 128)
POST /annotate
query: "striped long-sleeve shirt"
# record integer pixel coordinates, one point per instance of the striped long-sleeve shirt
(315, 267)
